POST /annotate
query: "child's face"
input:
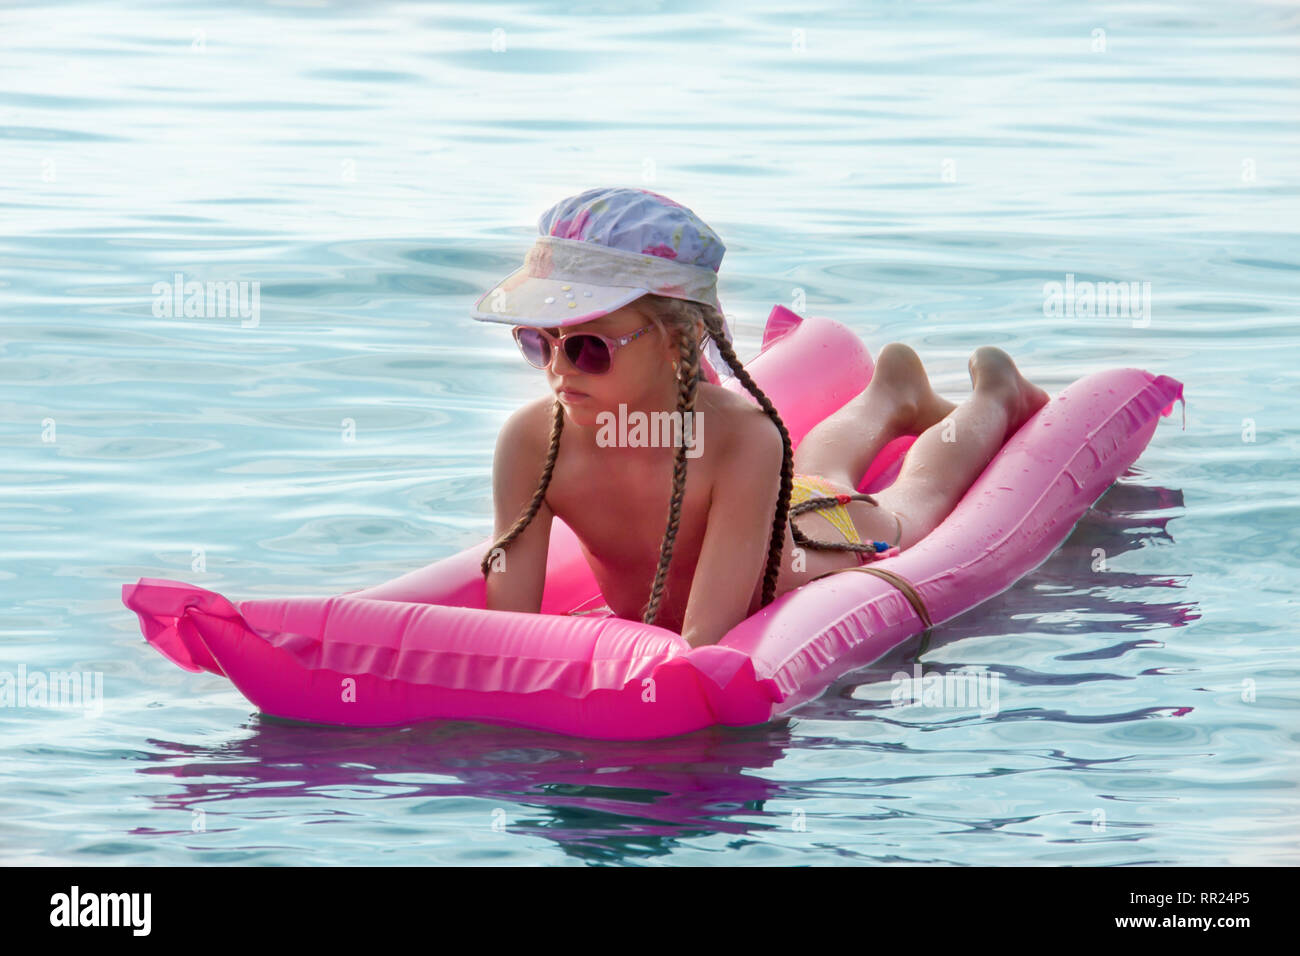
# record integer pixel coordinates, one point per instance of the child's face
(640, 373)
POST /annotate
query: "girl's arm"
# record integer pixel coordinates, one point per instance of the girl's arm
(739, 531)
(516, 584)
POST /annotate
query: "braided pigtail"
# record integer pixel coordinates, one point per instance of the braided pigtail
(557, 424)
(688, 372)
(713, 323)
(816, 504)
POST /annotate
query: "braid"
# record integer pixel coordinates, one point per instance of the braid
(713, 323)
(557, 424)
(816, 504)
(688, 370)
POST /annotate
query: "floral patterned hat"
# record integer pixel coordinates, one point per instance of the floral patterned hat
(601, 249)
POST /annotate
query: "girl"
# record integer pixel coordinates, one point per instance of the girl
(614, 302)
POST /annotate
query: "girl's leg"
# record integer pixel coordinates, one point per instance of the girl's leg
(897, 401)
(948, 457)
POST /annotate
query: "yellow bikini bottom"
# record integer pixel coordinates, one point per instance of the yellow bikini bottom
(813, 486)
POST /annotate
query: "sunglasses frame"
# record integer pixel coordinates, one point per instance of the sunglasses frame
(556, 343)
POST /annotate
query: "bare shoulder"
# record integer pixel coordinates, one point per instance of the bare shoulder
(529, 426)
(747, 437)
(522, 444)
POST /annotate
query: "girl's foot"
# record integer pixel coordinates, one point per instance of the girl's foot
(992, 368)
(899, 372)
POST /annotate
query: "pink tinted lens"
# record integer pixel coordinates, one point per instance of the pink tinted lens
(534, 345)
(588, 353)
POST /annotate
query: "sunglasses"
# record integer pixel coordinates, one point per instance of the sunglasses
(590, 353)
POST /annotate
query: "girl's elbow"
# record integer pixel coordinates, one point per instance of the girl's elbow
(501, 594)
(699, 637)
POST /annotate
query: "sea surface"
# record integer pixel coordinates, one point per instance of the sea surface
(920, 171)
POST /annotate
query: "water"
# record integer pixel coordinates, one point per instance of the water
(917, 171)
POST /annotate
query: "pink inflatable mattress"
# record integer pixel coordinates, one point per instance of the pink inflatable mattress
(422, 646)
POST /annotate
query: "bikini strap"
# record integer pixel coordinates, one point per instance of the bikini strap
(897, 580)
(818, 502)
